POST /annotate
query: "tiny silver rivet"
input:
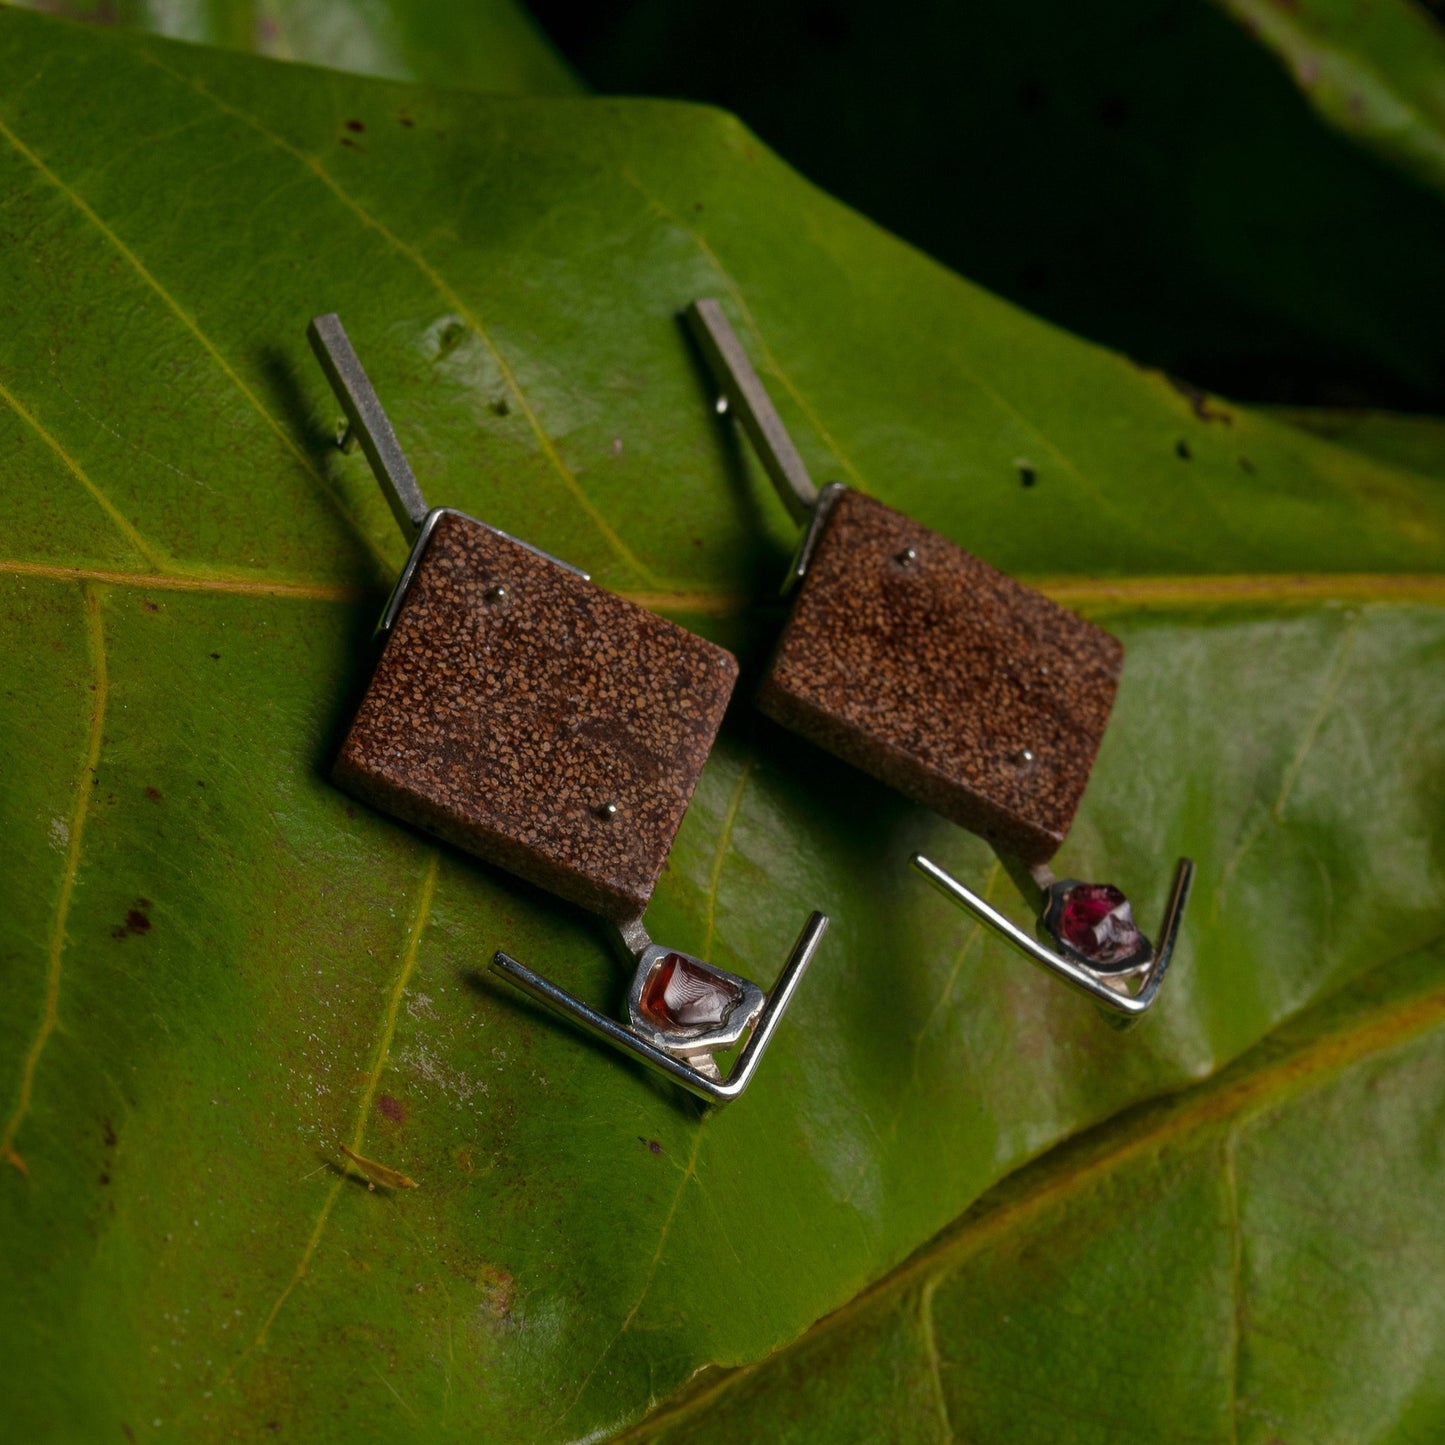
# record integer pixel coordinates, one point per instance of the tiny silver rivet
(1024, 757)
(722, 406)
(607, 811)
(497, 593)
(907, 557)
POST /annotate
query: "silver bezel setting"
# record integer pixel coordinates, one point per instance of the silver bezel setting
(1128, 967)
(687, 1059)
(688, 1041)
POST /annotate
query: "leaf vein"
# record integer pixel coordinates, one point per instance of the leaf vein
(719, 859)
(50, 1012)
(1275, 813)
(383, 1048)
(122, 523)
(930, 1353)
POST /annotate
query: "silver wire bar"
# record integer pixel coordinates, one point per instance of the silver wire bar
(367, 421)
(717, 1091)
(1078, 975)
(744, 393)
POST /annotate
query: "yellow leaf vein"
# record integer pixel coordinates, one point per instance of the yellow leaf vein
(358, 1138)
(118, 518)
(84, 787)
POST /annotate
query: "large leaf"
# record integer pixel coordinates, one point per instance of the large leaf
(1256, 1260)
(220, 971)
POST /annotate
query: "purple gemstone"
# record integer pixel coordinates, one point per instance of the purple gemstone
(1095, 920)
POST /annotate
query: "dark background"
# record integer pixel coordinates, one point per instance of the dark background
(1141, 172)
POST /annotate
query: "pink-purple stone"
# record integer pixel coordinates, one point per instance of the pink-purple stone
(1095, 920)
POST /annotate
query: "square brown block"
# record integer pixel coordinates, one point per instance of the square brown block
(505, 721)
(938, 675)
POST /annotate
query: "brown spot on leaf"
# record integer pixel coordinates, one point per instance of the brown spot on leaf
(1181, 450)
(346, 140)
(137, 921)
(497, 1287)
(355, 126)
(215, 657)
(108, 1133)
(149, 605)
(378, 1173)
(154, 794)
(405, 119)
(392, 1108)
(1200, 402)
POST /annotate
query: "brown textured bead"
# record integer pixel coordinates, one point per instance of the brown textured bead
(514, 701)
(929, 669)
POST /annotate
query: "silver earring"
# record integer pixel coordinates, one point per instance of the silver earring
(498, 719)
(952, 682)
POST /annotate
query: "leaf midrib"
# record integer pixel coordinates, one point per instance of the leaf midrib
(1096, 594)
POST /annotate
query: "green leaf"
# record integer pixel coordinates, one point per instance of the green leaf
(1254, 1260)
(1416, 443)
(221, 971)
(493, 46)
(1374, 69)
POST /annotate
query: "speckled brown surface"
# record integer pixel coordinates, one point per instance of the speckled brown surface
(936, 674)
(506, 724)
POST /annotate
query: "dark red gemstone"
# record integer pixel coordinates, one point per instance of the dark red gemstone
(1096, 921)
(680, 993)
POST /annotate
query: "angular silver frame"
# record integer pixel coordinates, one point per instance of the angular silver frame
(1111, 990)
(763, 1013)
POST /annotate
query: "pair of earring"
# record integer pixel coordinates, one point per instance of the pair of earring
(557, 730)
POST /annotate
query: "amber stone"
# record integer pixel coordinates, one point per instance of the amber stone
(535, 720)
(943, 677)
(681, 993)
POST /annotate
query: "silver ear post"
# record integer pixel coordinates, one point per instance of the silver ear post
(1126, 989)
(746, 399)
(672, 1042)
(367, 422)
(744, 396)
